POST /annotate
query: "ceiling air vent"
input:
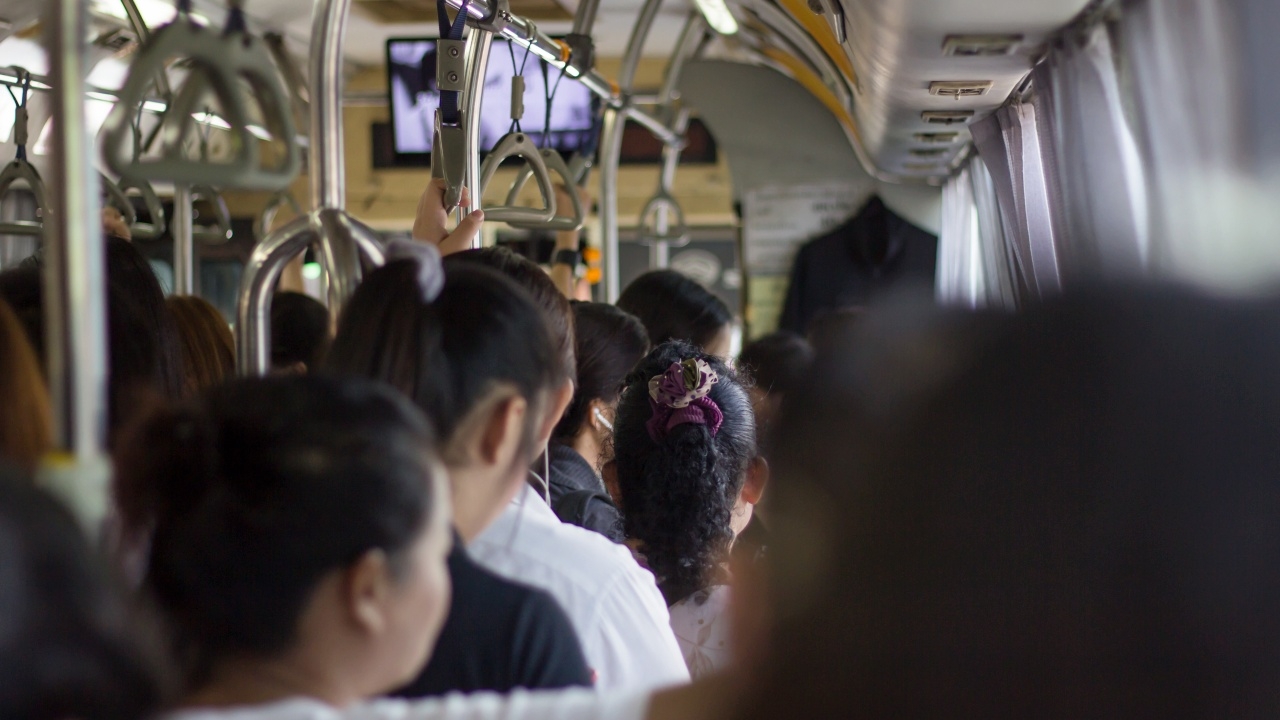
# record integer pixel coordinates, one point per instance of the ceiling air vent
(981, 45)
(946, 117)
(114, 40)
(959, 88)
(938, 138)
(921, 167)
(927, 153)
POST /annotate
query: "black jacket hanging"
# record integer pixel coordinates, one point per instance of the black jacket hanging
(856, 262)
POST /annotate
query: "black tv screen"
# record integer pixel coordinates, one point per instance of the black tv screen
(414, 97)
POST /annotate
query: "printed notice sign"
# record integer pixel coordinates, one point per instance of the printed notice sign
(778, 220)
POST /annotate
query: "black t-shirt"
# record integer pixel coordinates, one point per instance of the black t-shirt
(499, 636)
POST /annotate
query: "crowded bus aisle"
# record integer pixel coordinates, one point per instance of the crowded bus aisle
(979, 426)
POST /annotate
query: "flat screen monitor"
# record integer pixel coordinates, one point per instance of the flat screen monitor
(411, 75)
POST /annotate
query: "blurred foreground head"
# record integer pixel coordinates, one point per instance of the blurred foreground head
(1074, 512)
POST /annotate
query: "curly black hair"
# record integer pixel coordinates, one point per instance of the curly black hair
(678, 495)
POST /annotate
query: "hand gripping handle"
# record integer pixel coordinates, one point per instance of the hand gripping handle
(678, 231)
(555, 164)
(519, 145)
(21, 170)
(114, 197)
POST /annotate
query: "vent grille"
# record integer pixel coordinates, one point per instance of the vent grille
(938, 138)
(946, 117)
(960, 88)
(981, 45)
(929, 152)
(921, 167)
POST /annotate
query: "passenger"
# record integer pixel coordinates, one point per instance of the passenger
(26, 420)
(688, 475)
(608, 343)
(145, 360)
(673, 306)
(301, 529)
(300, 333)
(1066, 513)
(474, 353)
(613, 602)
(68, 648)
(208, 349)
(777, 363)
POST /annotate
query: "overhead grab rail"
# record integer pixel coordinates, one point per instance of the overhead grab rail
(559, 57)
(219, 62)
(19, 170)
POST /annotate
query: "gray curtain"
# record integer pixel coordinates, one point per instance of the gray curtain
(1096, 187)
(1009, 144)
(976, 260)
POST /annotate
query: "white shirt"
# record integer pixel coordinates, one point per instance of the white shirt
(701, 623)
(613, 603)
(561, 705)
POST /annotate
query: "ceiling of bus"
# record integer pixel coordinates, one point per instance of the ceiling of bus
(897, 51)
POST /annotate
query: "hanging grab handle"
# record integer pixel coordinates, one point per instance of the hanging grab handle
(555, 164)
(517, 144)
(155, 208)
(282, 199)
(219, 63)
(23, 171)
(219, 231)
(677, 233)
(114, 197)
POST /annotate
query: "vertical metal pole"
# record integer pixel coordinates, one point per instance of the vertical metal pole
(328, 166)
(611, 150)
(691, 37)
(183, 230)
(584, 19)
(478, 46)
(610, 155)
(74, 283)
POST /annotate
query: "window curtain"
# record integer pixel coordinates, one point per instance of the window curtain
(1213, 220)
(1009, 145)
(975, 261)
(1093, 169)
(961, 267)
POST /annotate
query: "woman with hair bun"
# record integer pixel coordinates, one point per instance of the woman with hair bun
(688, 474)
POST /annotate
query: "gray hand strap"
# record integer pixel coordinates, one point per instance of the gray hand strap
(554, 164)
(220, 63)
(24, 172)
(218, 231)
(517, 144)
(114, 197)
(677, 232)
(158, 225)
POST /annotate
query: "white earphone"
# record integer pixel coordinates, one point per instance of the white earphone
(600, 416)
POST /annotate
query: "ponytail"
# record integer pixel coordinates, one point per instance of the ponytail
(679, 485)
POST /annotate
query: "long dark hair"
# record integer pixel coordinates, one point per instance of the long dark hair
(1066, 513)
(675, 307)
(208, 348)
(259, 489)
(535, 281)
(608, 343)
(447, 354)
(69, 646)
(678, 495)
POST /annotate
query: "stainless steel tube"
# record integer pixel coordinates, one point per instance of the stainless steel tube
(183, 230)
(611, 150)
(342, 240)
(610, 154)
(526, 34)
(74, 281)
(328, 177)
(257, 285)
(478, 46)
(660, 250)
(584, 19)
